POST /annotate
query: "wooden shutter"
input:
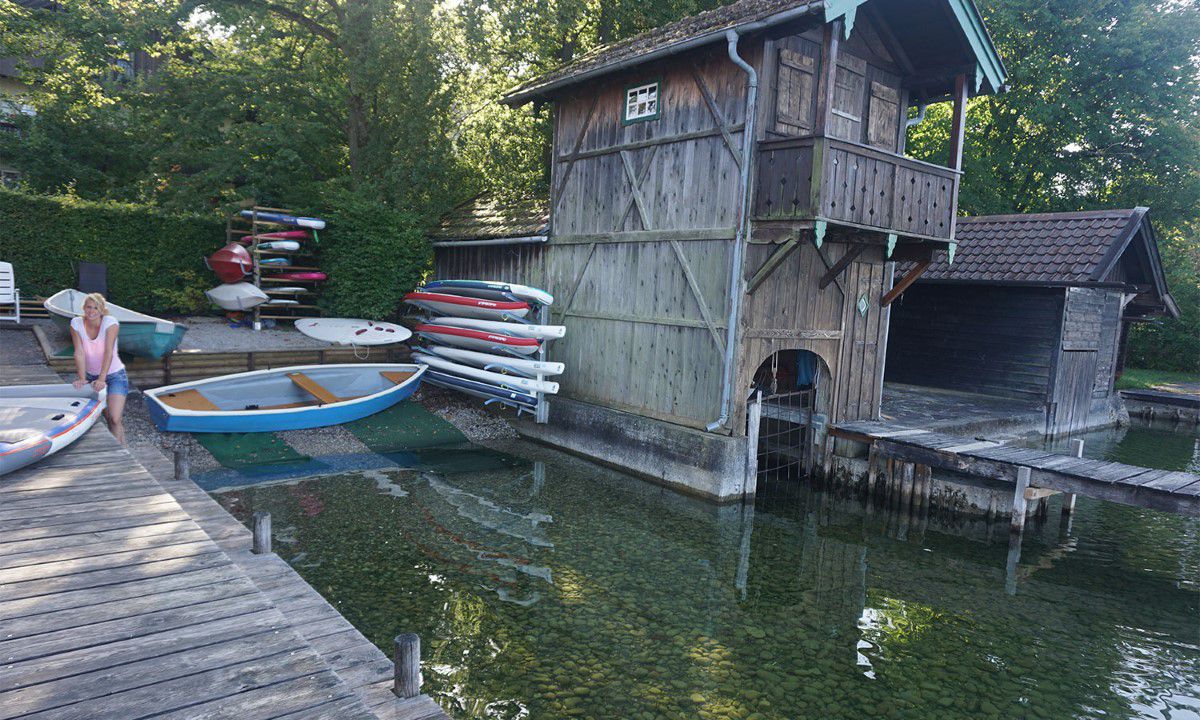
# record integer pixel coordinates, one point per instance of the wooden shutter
(794, 97)
(848, 95)
(883, 117)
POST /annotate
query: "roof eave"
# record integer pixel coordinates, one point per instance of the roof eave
(990, 67)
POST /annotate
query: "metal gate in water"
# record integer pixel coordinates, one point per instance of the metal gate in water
(785, 437)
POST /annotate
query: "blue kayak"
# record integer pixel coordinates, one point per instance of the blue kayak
(282, 219)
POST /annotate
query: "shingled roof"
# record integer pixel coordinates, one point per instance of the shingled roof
(493, 217)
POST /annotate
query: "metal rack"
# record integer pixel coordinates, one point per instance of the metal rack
(256, 227)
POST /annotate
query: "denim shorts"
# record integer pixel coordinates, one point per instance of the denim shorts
(117, 383)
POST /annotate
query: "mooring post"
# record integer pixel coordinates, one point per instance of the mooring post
(1068, 502)
(183, 470)
(262, 533)
(753, 422)
(407, 663)
(1019, 502)
(872, 470)
(907, 476)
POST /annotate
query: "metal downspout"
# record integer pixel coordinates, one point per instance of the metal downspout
(735, 271)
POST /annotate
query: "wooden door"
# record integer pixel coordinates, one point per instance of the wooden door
(1072, 399)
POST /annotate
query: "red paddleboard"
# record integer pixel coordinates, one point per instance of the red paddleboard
(477, 339)
(461, 306)
(300, 276)
(231, 263)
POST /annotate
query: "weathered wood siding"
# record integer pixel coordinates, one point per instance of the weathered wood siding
(992, 340)
(788, 311)
(1110, 340)
(1090, 329)
(523, 264)
(643, 217)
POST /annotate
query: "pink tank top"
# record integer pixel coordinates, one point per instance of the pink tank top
(93, 350)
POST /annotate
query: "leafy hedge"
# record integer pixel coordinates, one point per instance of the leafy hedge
(155, 260)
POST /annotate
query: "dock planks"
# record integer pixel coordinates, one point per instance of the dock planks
(1169, 491)
(122, 599)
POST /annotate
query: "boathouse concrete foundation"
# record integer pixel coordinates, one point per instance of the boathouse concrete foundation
(693, 462)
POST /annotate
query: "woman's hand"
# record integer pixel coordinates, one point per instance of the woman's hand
(98, 384)
(79, 382)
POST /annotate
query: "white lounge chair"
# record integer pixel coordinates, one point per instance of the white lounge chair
(9, 293)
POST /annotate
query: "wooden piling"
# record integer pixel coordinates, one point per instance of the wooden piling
(407, 665)
(1068, 502)
(1020, 504)
(183, 469)
(262, 533)
(753, 424)
(872, 470)
(907, 474)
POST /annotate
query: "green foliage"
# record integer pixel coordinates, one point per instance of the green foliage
(1174, 344)
(373, 255)
(155, 260)
(1139, 378)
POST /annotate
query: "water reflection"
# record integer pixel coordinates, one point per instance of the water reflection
(544, 587)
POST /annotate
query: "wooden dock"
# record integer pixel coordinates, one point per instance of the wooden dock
(121, 597)
(1177, 492)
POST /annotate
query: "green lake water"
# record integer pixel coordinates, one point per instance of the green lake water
(1165, 446)
(546, 587)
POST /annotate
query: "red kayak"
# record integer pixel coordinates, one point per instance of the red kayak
(477, 339)
(461, 306)
(231, 263)
(300, 276)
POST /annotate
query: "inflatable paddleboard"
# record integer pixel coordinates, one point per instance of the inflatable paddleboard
(282, 301)
(352, 331)
(492, 289)
(461, 306)
(40, 420)
(287, 290)
(499, 363)
(512, 382)
(538, 332)
(278, 246)
(283, 219)
(231, 263)
(282, 235)
(307, 276)
(237, 296)
(512, 398)
(477, 340)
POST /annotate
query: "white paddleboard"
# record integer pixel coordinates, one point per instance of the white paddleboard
(286, 290)
(352, 331)
(236, 296)
(282, 301)
(515, 382)
(529, 368)
(279, 246)
(491, 289)
(537, 332)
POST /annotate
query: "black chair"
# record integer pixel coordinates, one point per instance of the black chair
(92, 277)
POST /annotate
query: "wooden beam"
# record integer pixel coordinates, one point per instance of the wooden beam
(772, 262)
(830, 45)
(691, 280)
(843, 262)
(958, 126)
(909, 278)
(647, 236)
(828, 264)
(635, 189)
(718, 116)
(562, 184)
(639, 144)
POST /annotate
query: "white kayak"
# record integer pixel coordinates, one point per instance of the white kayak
(278, 246)
(286, 290)
(353, 331)
(513, 382)
(491, 289)
(538, 332)
(236, 296)
(40, 420)
(281, 301)
(522, 366)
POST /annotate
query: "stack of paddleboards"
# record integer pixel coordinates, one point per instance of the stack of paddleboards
(234, 262)
(480, 341)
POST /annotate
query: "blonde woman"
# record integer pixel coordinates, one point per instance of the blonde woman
(95, 339)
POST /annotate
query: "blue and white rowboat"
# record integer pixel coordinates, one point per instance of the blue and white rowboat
(289, 398)
(40, 420)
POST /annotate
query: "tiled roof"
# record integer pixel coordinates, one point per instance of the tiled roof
(1052, 248)
(708, 23)
(490, 217)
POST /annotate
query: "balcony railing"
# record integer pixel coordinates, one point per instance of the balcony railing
(843, 182)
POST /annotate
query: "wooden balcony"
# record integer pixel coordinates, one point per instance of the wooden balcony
(844, 183)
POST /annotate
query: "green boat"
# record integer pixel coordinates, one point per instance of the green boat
(141, 335)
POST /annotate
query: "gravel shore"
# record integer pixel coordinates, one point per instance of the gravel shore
(216, 335)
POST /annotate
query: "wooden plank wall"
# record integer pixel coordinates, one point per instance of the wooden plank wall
(990, 340)
(523, 264)
(1106, 358)
(788, 311)
(643, 218)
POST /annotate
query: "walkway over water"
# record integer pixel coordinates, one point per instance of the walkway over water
(118, 601)
(1170, 491)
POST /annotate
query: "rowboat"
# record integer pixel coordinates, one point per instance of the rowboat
(458, 305)
(520, 366)
(537, 332)
(478, 340)
(289, 398)
(141, 335)
(491, 289)
(511, 382)
(504, 396)
(40, 420)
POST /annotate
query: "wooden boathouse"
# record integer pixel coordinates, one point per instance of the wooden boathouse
(729, 196)
(1037, 307)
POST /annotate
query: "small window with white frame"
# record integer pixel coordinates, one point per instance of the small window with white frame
(641, 102)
